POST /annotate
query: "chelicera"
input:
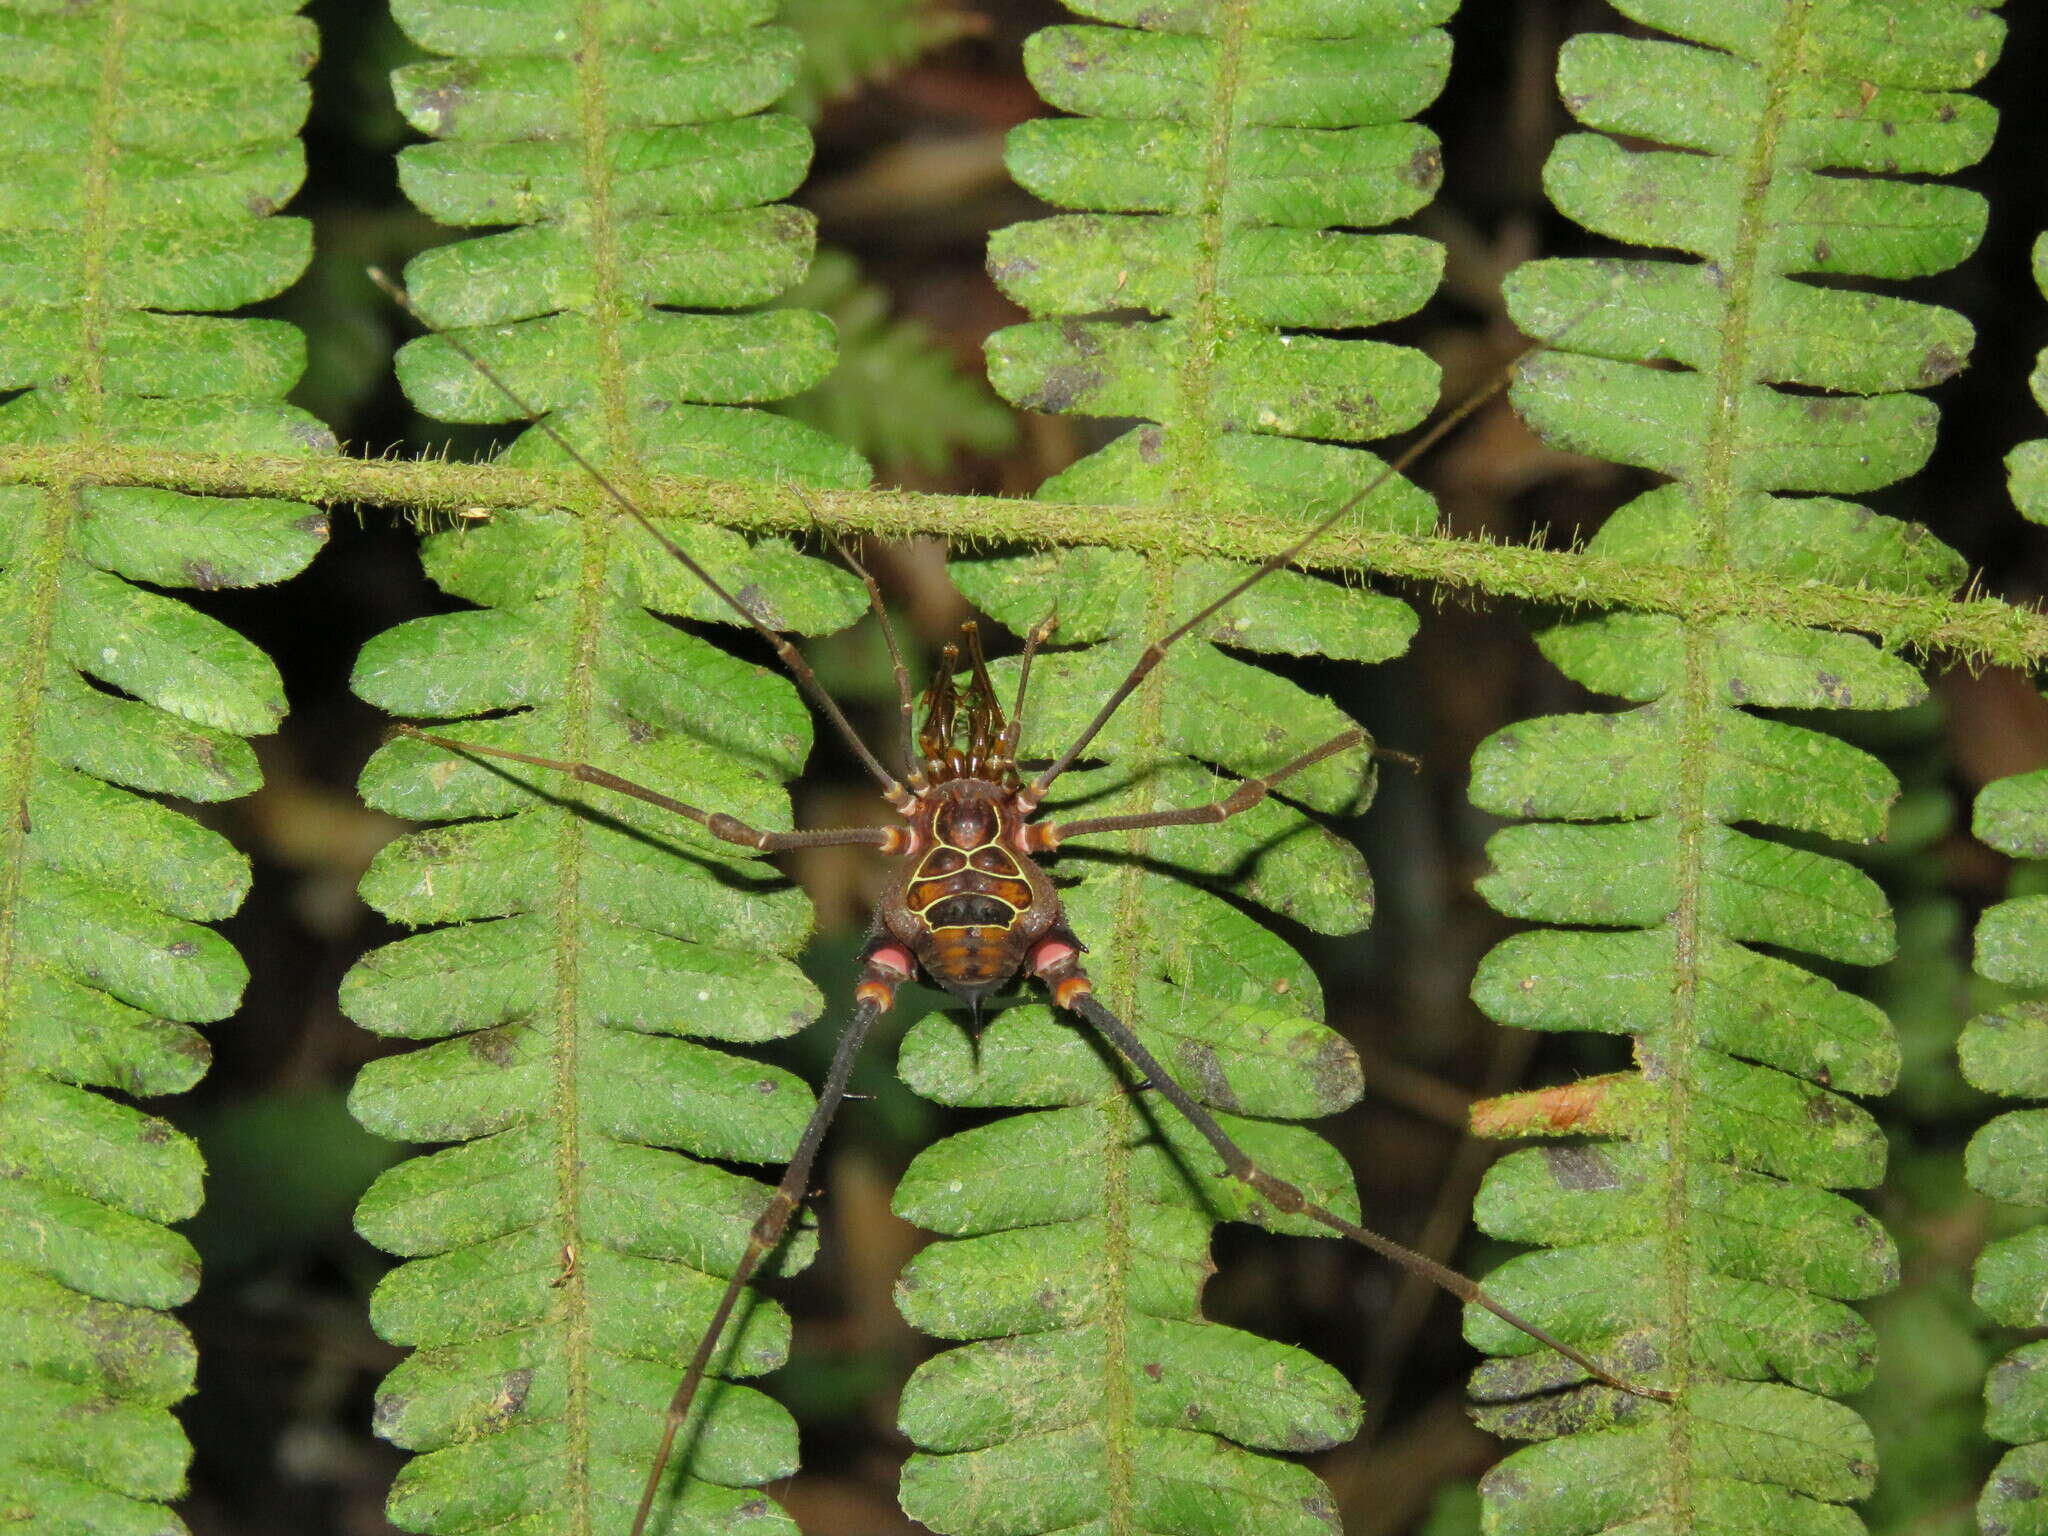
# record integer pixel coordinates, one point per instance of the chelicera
(968, 906)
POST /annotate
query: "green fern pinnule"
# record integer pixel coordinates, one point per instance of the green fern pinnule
(1696, 1241)
(144, 150)
(1216, 150)
(847, 43)
(565, 1252)
(2005, 1051)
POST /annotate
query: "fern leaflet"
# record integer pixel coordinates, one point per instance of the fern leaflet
(146, 146)
(2005, 1051)
(850, 42)
(1216, 147)
(562, 1257)
(1698, 1239)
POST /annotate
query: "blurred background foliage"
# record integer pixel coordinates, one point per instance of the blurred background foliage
(909, 100)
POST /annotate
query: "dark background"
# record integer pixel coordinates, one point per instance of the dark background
(909, 180)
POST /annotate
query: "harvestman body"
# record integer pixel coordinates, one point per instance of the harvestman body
(968, 906)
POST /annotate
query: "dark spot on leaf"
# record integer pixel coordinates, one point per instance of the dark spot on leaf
(1334, 1071)
(1891, 167)
(313, 436)
(1318, 1507)
(1203, 1075)
(1549, 1418)
(1300, 1439)
(204, 575)
(1822, 1075)
(389, 1410)
(756, 602)
(260, 204)
(1834, 690)
(1822, 250)
(1826, 1109)
(1576, 103)
(1081, 337)
(1581, 1168)
(1888, 128)
(510, 1397)
(1842, 1337)
(1153, 1370)
(1946, 114)
(1738, 691)
(755, 1509)
(1503, 1483)
(315, 523)
(155, 1132)
(639, 732)
(1425, 167)
(122, 1344)
(1013, 267)
(1047, 1299)
(765, 1085)
(1062, 387)
(1940, 363)
(443, 104)
(1151, 445)
(2020, 1490)
(184, 949)
(493, 1047)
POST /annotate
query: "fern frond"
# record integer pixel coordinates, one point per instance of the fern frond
(1697, 1242)
(896, 395)
(566, 1252)
(847, 43)
(1213, 158)
(145, 148)
(2005, 1051)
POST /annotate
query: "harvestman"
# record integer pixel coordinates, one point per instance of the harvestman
(968, 906)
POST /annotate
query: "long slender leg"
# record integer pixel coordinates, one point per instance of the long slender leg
(906, 701)
(799, 669)
(876, 992)
(1072, 990)
(1013, 732)
(717, 823)
(1248, 793)
(1156, 651)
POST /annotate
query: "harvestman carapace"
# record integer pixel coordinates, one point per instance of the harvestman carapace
(968, 906)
